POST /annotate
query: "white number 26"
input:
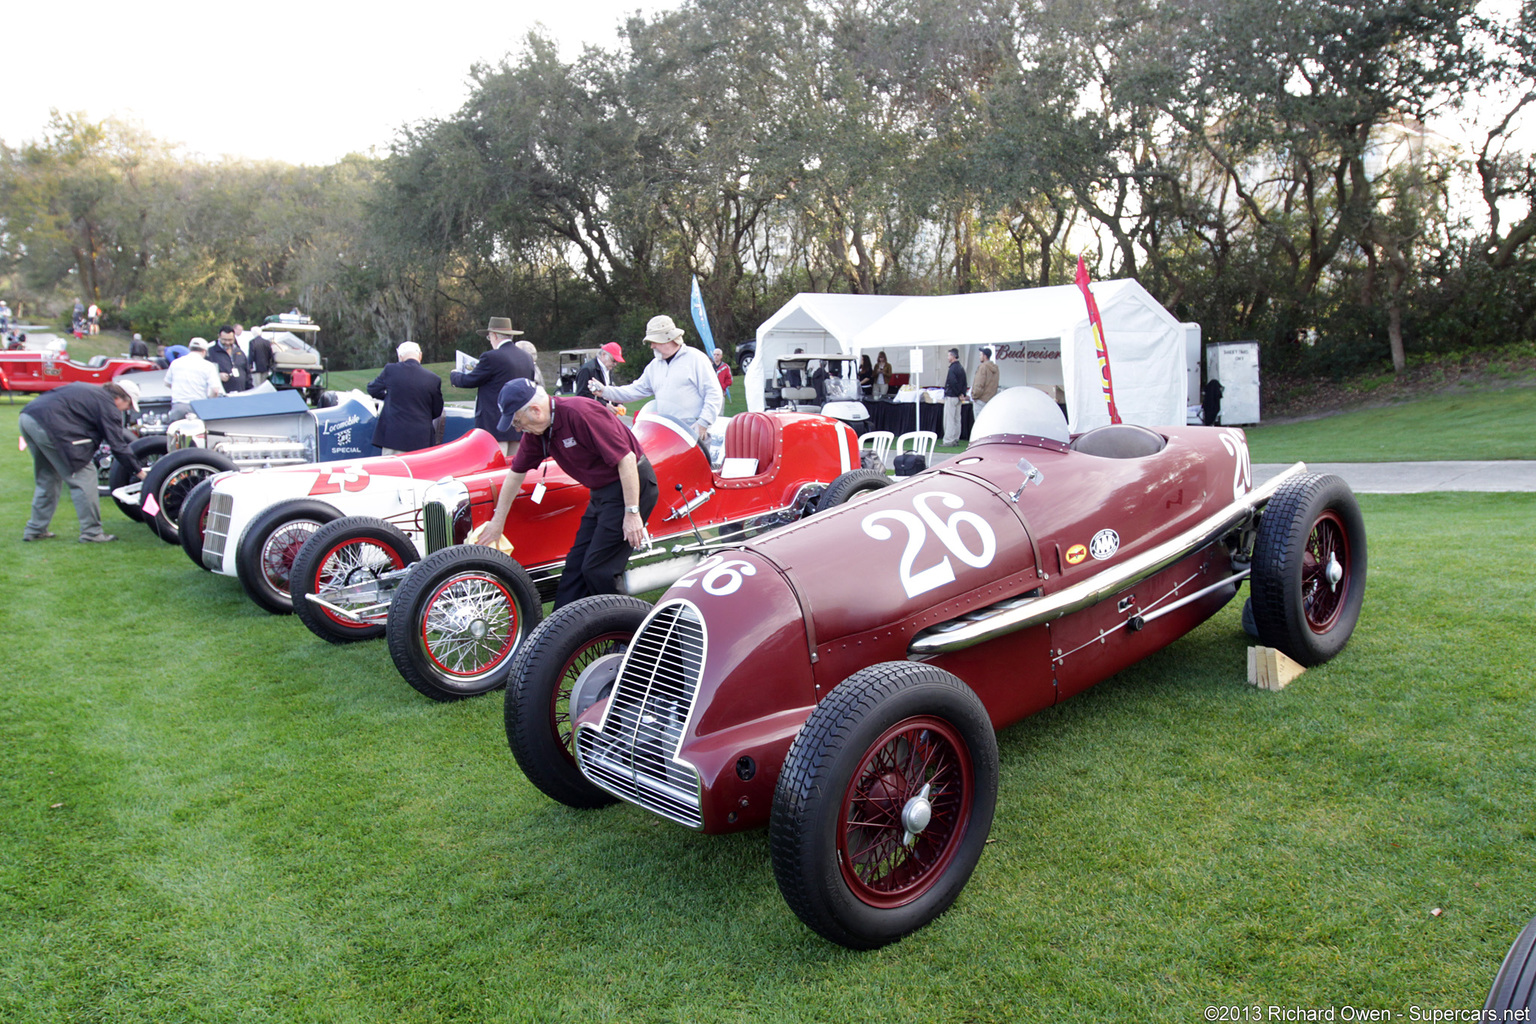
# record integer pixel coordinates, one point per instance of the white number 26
(919, 581)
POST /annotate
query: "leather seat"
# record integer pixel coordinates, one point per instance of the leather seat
(1119, 441)
(753, 435)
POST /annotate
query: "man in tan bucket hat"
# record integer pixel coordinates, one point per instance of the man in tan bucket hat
(681, 378)
(503, 363)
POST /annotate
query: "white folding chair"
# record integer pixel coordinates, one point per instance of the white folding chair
(922, 442)
(879, 442)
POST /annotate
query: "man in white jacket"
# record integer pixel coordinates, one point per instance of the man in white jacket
(191, 378)
(681, 378)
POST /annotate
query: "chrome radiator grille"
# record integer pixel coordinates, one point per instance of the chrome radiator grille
(216, 533)
(633, 753)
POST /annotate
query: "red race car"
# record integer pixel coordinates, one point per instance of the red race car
(840, 680)
(44, 371)
(454, 618)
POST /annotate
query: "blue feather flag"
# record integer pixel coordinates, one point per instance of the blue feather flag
(701, 318)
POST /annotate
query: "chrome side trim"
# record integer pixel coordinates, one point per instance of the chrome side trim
(1010, 616)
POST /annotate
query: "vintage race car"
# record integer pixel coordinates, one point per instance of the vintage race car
(455, 618)
(252, 430)
(840, 680)
(44, 371)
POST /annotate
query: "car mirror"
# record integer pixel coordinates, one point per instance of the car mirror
(1031, 475)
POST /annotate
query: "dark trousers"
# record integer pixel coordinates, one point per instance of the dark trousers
(600, 552)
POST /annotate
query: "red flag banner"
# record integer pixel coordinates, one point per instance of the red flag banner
(1099, 348)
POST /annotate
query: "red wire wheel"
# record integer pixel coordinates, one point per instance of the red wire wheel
(1326, 557)
(1309, 565)
(882, 809)
(342, 563)
(538, 713)
(457, 618)
(917, 775)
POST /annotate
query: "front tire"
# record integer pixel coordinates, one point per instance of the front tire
(170, 482)
(148, 451)
(1309, 559)
(264, 560)
(457, 620)
(343, 553)
(884, 803)
(1514, 987)
(193, 522)
(539, 719)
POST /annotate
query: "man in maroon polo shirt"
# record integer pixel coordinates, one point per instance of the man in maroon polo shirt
(599, 452)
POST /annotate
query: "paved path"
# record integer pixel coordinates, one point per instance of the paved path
(1416, 477)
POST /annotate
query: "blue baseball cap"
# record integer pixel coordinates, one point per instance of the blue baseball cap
(514, 395)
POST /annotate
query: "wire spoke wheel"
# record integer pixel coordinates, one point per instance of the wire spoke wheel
(1309, 566)
(545, 686)
(469, 625)
(917, 775)
(882, 808)
(351, 562)
(560, 701)
(1325, 572)
(280, 549)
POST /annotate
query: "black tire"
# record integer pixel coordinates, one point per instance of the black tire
(539, 690)
(193, 521)
(464, 593)
(171, 480)
(850, 485)
(350, 550)
(148, 451)
(898, 712)
(1515, 984)
(1311, 525)
(264, 559)
(744, 362)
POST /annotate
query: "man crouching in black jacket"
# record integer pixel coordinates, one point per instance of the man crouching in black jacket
(63, 428)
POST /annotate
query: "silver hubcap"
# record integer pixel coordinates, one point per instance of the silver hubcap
(916, 815)
(1335, 572)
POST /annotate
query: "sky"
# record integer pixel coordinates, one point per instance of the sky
(300, 82)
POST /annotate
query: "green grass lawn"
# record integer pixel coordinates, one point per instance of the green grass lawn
(210, 815)
(1465, 425)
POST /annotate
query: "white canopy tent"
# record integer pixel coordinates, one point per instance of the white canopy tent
(1039, 337)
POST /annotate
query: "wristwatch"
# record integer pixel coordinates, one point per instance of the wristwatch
(632, 508)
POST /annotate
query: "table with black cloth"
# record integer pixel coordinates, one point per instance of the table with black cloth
(897, 417)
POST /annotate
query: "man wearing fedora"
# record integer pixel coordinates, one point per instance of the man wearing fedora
(501, 365)
(681, 378)
(598, 451)
(598, 368)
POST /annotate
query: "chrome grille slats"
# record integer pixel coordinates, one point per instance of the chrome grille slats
(633, 753)
(216, 532)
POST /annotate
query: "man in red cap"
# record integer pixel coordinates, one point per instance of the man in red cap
(598, 368)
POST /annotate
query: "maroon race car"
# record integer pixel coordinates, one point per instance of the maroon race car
(840, 680)
(44, 371)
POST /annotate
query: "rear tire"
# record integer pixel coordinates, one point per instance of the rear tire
(264, 560)
(538, 714)
(349, 551)
(171, 480)
(458, 619)
(1309, 559)
(850, 485)
(148, 451)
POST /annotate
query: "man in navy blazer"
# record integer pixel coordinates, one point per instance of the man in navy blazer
(502, 364)
(413, 398)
